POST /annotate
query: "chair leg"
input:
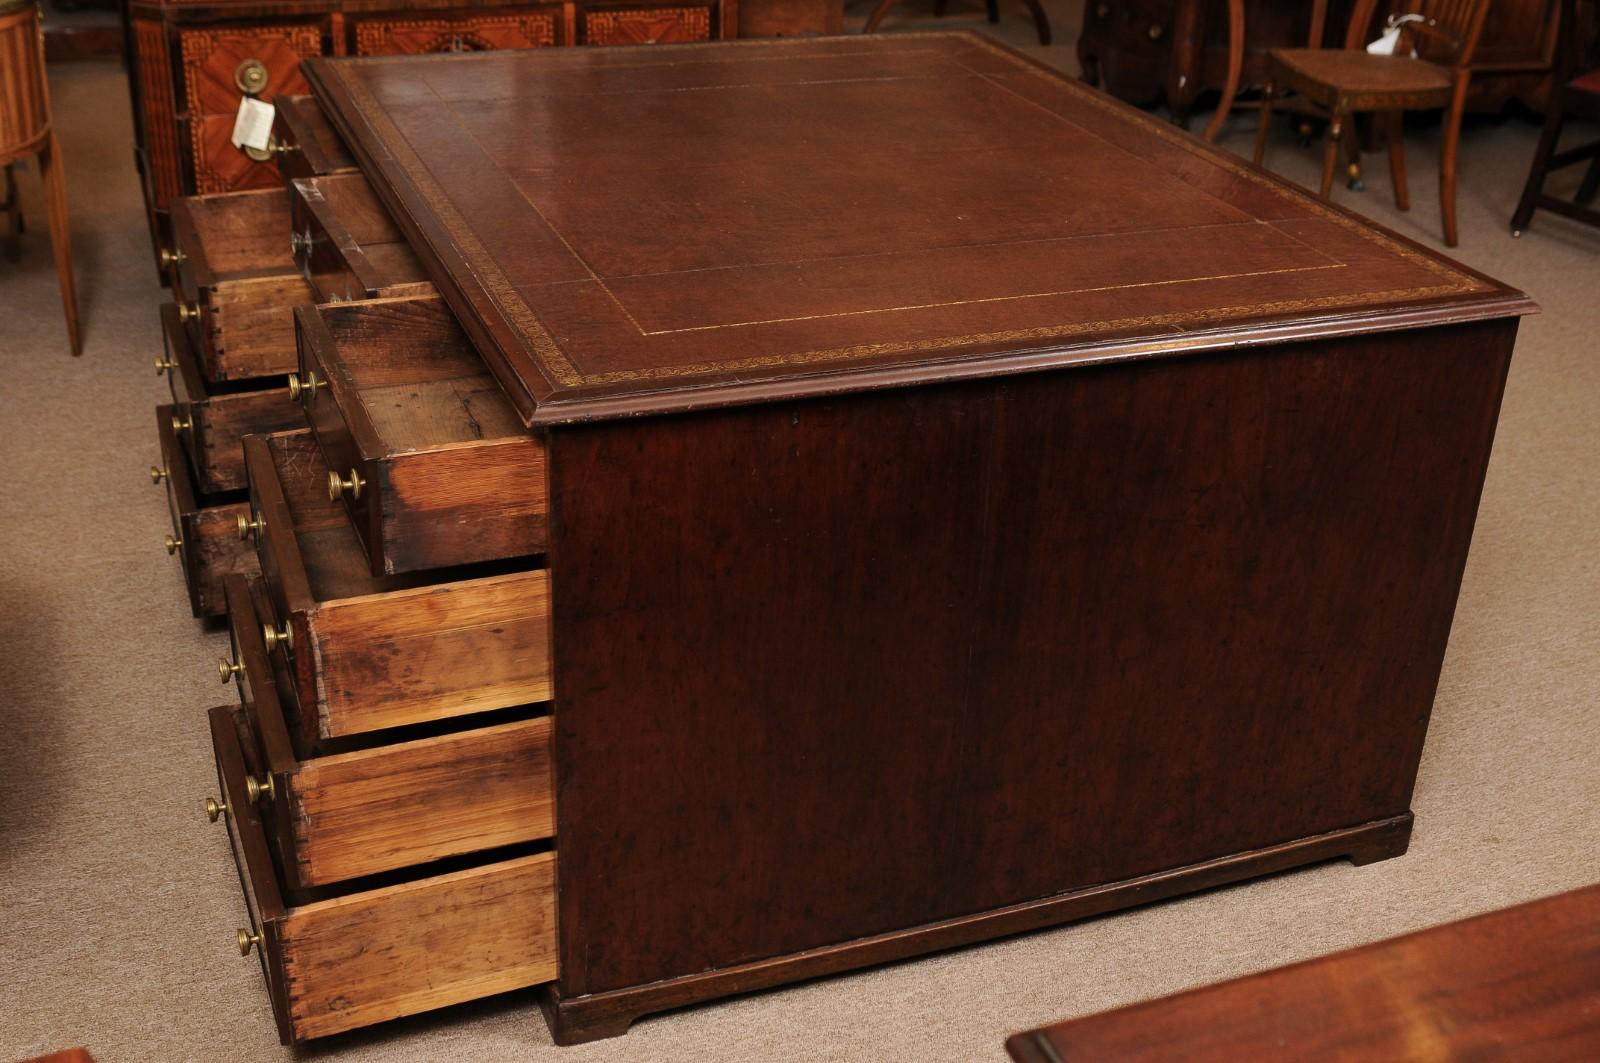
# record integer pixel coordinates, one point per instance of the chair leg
(1447, 160)
(1397, 159)
(55, 198)
(939, 8)
(1330, 154)
(1041, 21)
(1264, 124)
(1586, 191)
(875, 19)
(1540, 167)
(991, 8)
(15, 226)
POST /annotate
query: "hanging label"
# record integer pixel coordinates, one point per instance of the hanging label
(252, 127)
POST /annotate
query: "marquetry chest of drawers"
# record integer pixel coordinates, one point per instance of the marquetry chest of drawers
(687, 564)
(190, 61)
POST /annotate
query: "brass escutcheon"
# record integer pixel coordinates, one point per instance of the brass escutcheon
(251, 76)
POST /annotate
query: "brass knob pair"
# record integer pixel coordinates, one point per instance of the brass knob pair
(215, 809)
(247, 940)
(188, 311)
(171, 258)
(255, 789)
(180, 423)
(172, 545)
(157, 474)
(254, 524)
(337, 487)
(228, 669)
(275, 638)
(163, 365)
(306, 385)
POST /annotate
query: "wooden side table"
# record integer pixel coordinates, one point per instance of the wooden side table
(26, 130)
(1521, 983)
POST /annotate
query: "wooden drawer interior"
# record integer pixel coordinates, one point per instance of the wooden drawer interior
(354, 809)
(338, 959)
(346, 246)
(403, 405)
(373, 652)
(306, 143)
(217, 416)
(204, 528)
(232, 236)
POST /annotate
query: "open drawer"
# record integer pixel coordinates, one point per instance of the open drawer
(213, 419)
(238, 279)
(204, 528)
(371, 652)
(433, 463)
(337, 960)
(345, 245)
(355, 810)
(305, 142)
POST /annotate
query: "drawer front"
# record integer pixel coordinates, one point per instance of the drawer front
(218, 166)
(307, 145)
(205, 537)
(658, 25)
(467, 33)
(360, 812)
(364, 957)
(372, 653)
(230, 236)
(1136, 26)
(215, 424)
(246, 327)
(223, 64)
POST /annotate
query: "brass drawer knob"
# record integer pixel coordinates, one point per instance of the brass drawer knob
(255, 789)
(215, 809)
(157, 474)
(163, 365)
(172, 545)
(171, 258)
(228, 669)
(188, 311)
(251, 76)
(1102, 11)
(255, 524)
(181, 423)
(275, 638)
(1155, 32)
(247, 941)
(306, 385)
(337, 487)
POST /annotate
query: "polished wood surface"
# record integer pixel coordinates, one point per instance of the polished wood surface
(1517, 984)
(451, 475)
(337, 962)
(597, 290)
(376, 652)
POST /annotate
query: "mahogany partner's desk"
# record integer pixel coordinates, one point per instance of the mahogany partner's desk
(972, 504)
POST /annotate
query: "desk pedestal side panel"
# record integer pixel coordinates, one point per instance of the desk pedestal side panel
(901, 657)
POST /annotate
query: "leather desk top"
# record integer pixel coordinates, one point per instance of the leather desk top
(627, 230)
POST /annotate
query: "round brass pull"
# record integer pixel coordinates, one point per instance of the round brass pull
(304, 386)
(188, 312)
(1155, 32)
(1102, 11)
(255, 789)
(337, 487)
(172, 545)
(215, 809)
(181, 423)
(255, 524)
(157, 474)
(251, 76)
(228, 669)
(248, 940)
(275, 638)
(171, 257)
(163, 365)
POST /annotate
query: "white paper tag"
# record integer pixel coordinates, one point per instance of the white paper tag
(252, 127)
(1389, 43)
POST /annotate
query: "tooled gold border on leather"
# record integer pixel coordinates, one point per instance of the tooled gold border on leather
(561, 370)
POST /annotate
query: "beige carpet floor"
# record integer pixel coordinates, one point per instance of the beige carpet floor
(118, 901)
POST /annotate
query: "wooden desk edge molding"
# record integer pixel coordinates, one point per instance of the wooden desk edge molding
(1523, 981)
(1206, 511)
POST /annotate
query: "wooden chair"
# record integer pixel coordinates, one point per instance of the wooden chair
(1041, 21)
(25, 130)
(1351, 81)
(1576, 93)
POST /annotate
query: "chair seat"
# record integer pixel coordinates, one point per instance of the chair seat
(1347, 80)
